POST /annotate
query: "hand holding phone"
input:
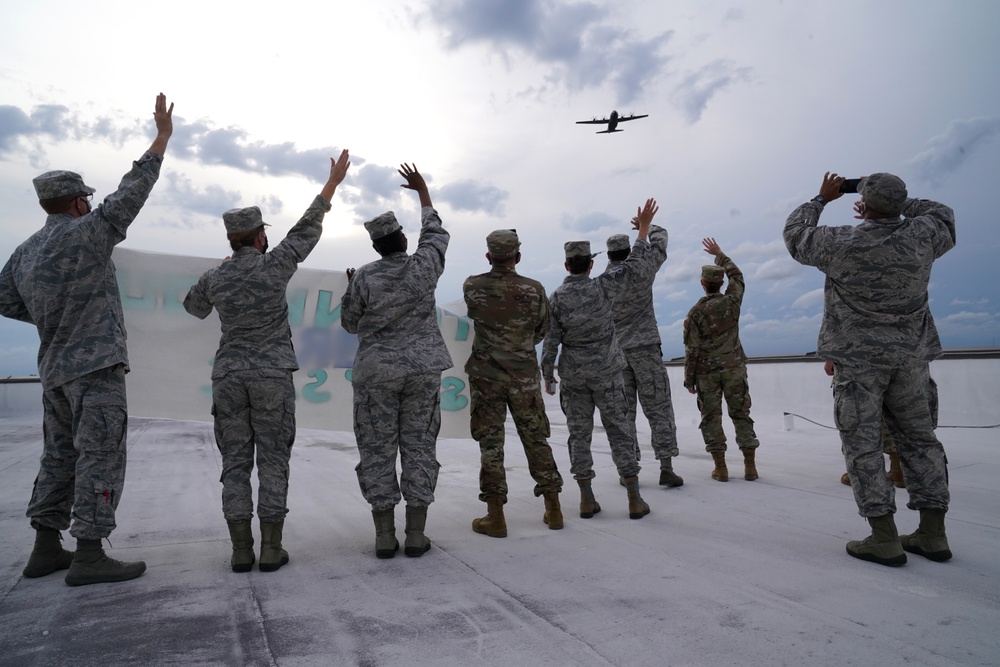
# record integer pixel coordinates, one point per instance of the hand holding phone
(850, 185)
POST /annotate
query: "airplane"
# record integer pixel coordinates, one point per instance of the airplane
(612, 122)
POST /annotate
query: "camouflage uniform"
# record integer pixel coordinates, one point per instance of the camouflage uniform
(878, 329)
(253, 396)
(511, 316)
(645, 377)
(397, 371)
(715, 364)
(591, 361)
(62, 280)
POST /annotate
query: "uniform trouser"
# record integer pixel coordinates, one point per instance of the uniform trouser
(254, 410)
(491, 398)
(730, 383)
(646, 380)
(890, 431)
(83, 461)
(860, 395)
(401, 415)
(578, 398)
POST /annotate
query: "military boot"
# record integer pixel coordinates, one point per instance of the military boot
(588, 504)
(882, 546)
(721, 472)
(242, 538)
(668, 477)
(92, 566)
(846, 478)
(47, 556)
(896, 471)
(553, 517)
(493, 524)
(272, 556)
(637, 507)
(749, 466)
(929, 540)
(386, 544)
(416, 543)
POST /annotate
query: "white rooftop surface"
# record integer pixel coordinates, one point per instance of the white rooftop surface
(741, 573)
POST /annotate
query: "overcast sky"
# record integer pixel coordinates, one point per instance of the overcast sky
(748, 102)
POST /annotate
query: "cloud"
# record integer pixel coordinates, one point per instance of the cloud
(469, 195)
(211, 200)
(696, 89)
(949, 150)
(809, 300)
(962, 302)
(590, 222)
(574, 39)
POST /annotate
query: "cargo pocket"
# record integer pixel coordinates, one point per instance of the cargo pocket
(845, 406)
(103, 511)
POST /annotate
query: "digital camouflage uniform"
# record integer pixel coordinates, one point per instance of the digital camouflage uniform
(645, 377)
(511, 316)
(397, 371)
(715, 364)
(591, 361)
(878, 329)
(253, 396)
(62, 280)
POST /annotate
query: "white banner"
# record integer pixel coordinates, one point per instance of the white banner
(171, 352)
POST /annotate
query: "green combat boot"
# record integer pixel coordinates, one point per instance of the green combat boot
(242, 538)
(721, 472)
(272, 556)
(553, 517)
(493, 524)
(92, 566)
(416, 543)
(929, 540)
(882, 546)
(588, 504)
(386, 544)
(668, 477)
(749, 466)
(637, 507)
(47, 556)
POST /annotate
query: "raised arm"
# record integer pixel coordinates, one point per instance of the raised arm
(414, 181)
(338, 170)
(164, 119)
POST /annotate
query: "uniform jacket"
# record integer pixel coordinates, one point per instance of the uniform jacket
(635, 319)
(712, 328)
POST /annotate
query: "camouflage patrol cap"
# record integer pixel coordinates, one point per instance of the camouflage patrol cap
(578, 249)
(53, 184)
(382, 225)
(242, 219)
(711, 273)
(884, 193)
(619, 242)
(502, 243)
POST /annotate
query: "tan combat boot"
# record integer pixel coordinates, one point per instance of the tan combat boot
(588, 504)
(929, 539)
(721, 472)
(416, 543)
(553, 517)
(47, 556)
(846, 478)
(749, 467)
(882, 546)
(637, 507)
(386, 544)
(493, 524)
(272, 556)
(896, 471)
(242, 538)
(668, 477)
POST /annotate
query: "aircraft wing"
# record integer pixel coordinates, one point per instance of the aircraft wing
(622, 119)
(607, 131)
(602, 121)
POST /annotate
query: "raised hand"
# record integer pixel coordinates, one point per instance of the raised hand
(338, 167)
(414, 181)
(711, 247)
(164, 119)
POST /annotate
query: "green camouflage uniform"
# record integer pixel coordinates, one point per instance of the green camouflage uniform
(715, 364)
(511, 316)
(879, 331)
(397, 370)
(62, 280)
(253, 396)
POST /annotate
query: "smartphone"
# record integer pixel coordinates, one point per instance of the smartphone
(850, 185)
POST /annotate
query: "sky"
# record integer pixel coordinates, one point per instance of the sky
(749, 104)
(735, 574)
